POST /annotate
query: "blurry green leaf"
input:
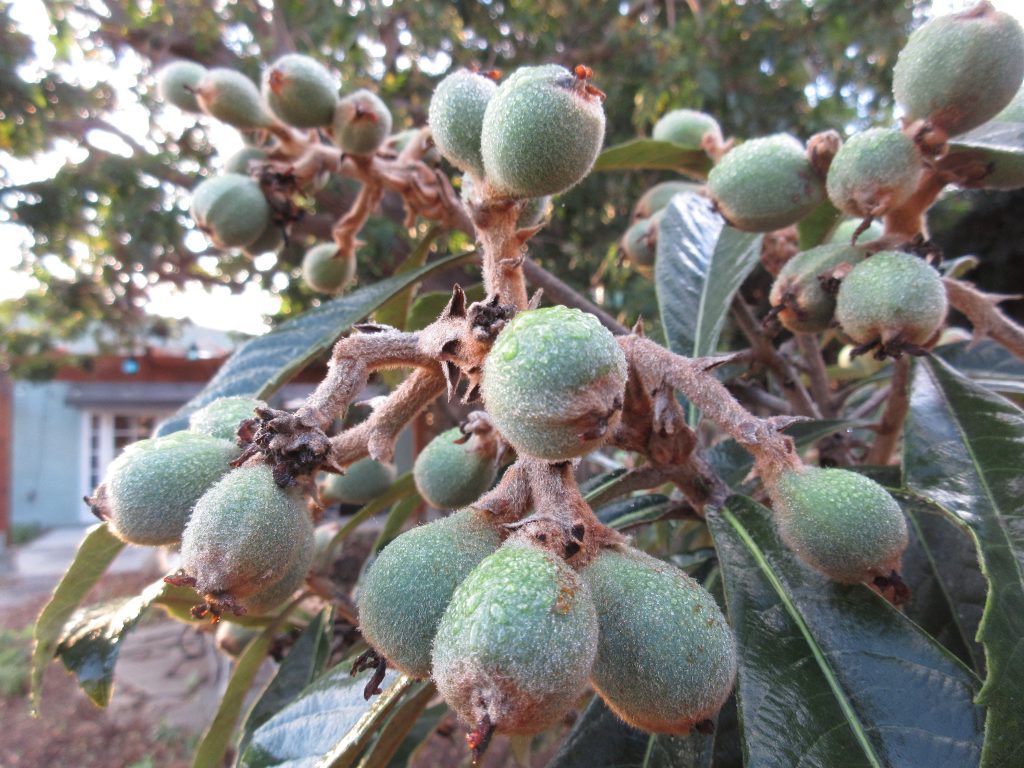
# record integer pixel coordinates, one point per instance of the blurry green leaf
(395, 311)
(989, 363)
(399, 489)
(92, 638)
(97, 550)
(636, 510)
(305, 661)
(396, 519)
(428, 306)
(997, 136)
(648, 154)
(831, 674)
(264, 364)
(418, 736)
(964, 449)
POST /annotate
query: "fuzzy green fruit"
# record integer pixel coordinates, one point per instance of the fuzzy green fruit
(666, 657)
(451, 475)
(554, 383)
(289, 582)
(875, 171)
(687, 128)
(270, 241)
(805, 306)
(325, 270)
(300, 91)
(517, 641)
(244, 535)
(843, 524)
(364, 481)
(243, 160)
(456, 118)
(406, 589)
(231, 210)
(361, 123)
(846, 229)
(177, 83)
(152, 487)
(222, 417)
(640, 241)
(659, 196)
(891, 296)
(232, 98)
(542, 132)
(959, 71)
(766, 184)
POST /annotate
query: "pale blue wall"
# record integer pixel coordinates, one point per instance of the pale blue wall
(46, 446)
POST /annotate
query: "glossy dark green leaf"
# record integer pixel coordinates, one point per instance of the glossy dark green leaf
(700, 264)
(733, 463)
(330, 720)
(393, 733)
(941, 568)
(648, 154)
(816, 227)
(305, 661)
(92, 637)
(599, 739)
(831, 674)
(217, 737)
(636, 510)
(263, 364)
(964, 449)
(989, 363)
(97, 550)
(395, 311)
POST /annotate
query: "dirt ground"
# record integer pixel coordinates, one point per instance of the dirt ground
(74, 732)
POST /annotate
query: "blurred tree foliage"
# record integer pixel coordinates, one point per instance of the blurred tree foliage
(116, 212)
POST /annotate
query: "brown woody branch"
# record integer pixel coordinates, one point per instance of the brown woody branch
(984, 314)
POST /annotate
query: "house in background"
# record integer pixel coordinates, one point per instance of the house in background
(62, 434)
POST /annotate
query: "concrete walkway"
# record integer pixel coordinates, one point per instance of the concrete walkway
(33, 569)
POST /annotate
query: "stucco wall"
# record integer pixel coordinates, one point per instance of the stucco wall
(45, 456)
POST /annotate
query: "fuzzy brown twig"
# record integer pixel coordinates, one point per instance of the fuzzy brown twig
(890, 428)
(983, 312)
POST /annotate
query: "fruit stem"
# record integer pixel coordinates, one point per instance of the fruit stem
(348, 226)
(773, 452)
(891, 425)
(908, 220)
(814, 364)
(982, 311)
(504, 249)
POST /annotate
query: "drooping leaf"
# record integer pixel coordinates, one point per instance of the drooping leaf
(217, 738)
(941, 568)
(305, 661)
(964, 449)
(815, 227)
(394, 732)
(264, 364)
(831, 674)
(395, 311)
(989, 363)
(328, 721)
(400, 489)
(599, 739)
(97, 550)
(648, 154)
(701, 262)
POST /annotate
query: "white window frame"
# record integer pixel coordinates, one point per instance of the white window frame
(106, 444)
